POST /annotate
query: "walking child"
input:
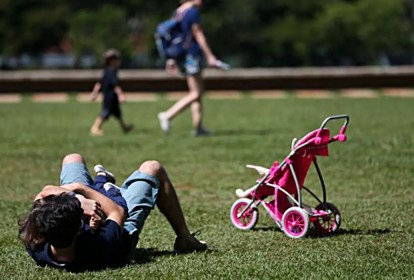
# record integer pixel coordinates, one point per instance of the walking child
(112, 94)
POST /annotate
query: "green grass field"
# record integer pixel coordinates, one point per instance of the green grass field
(369, 178)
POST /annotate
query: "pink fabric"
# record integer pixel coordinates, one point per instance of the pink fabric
(317, 144)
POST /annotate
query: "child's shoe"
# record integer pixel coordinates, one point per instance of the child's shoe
(96, 131)
(100, 169)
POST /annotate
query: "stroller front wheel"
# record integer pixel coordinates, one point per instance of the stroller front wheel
(295, 222)
(246, 220)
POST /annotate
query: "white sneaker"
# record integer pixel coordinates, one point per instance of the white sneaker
(164, 123)
(99, 168)
(108, 186)
(201, 132)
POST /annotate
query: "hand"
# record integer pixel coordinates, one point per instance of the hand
(171, 66)
(121, 98)
(91, 208)
(216, 63)
(212, 61)
(93, 95)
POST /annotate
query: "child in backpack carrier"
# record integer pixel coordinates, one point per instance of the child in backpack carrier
(104, 183)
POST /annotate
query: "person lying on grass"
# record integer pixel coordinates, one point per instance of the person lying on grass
(54, 233)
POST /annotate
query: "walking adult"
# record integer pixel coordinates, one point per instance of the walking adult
(191, 65)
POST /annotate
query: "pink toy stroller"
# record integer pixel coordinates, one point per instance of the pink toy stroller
(279, 191)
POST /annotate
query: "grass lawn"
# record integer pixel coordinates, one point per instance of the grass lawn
(369, 178)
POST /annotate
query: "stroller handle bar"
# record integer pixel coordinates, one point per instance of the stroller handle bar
(341, 136)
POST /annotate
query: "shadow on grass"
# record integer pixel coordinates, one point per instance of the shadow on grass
(240, 132)
(363, 232)
(146, 255)
(313, 233)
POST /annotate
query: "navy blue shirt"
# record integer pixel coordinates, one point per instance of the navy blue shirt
(105, 247)
(191, 17)
(108, 83)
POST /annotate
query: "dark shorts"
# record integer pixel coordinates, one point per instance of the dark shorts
(108, 111)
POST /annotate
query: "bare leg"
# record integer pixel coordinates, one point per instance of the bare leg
(169, 205)
(96, 128)
(195, 88)
(72, 158)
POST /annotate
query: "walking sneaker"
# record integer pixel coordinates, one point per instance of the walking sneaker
(164, 123)
(201, 132)
(100, 169)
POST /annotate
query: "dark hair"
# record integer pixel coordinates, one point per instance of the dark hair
(110, 55)
(55, 219)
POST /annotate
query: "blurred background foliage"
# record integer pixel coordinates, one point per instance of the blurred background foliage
(246, 33)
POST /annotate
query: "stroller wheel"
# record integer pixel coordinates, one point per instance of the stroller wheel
(330, 223)
(244, 221)
(295, 222)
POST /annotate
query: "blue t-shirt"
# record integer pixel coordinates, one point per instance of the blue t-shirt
(105, 247)
(191, 17)
(109, 81)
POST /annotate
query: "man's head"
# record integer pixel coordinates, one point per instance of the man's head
(55, 219)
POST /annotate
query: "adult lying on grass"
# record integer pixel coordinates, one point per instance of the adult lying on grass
(55, 235)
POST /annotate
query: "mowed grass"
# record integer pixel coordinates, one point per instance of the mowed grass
(369, 178)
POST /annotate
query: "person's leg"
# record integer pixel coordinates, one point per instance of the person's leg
(125, 127)
(192, 67)
(169, 205)
(196, 83)
(194, 94)
(74, 170)
(116, 112)
(96, 128)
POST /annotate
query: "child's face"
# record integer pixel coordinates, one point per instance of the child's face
(115, 63)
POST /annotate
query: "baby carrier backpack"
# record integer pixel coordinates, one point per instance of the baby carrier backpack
(169, 37)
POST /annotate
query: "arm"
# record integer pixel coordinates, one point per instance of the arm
(111, 210)
(90, 207)
(121, 96)
(202, 41)
(95, 91)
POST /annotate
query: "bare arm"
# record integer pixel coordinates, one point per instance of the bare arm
(95, 91)
(111, 210)
(90, 207)
(202, 41)
(121, 96)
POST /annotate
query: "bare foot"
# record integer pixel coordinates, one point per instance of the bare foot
(189, 245)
